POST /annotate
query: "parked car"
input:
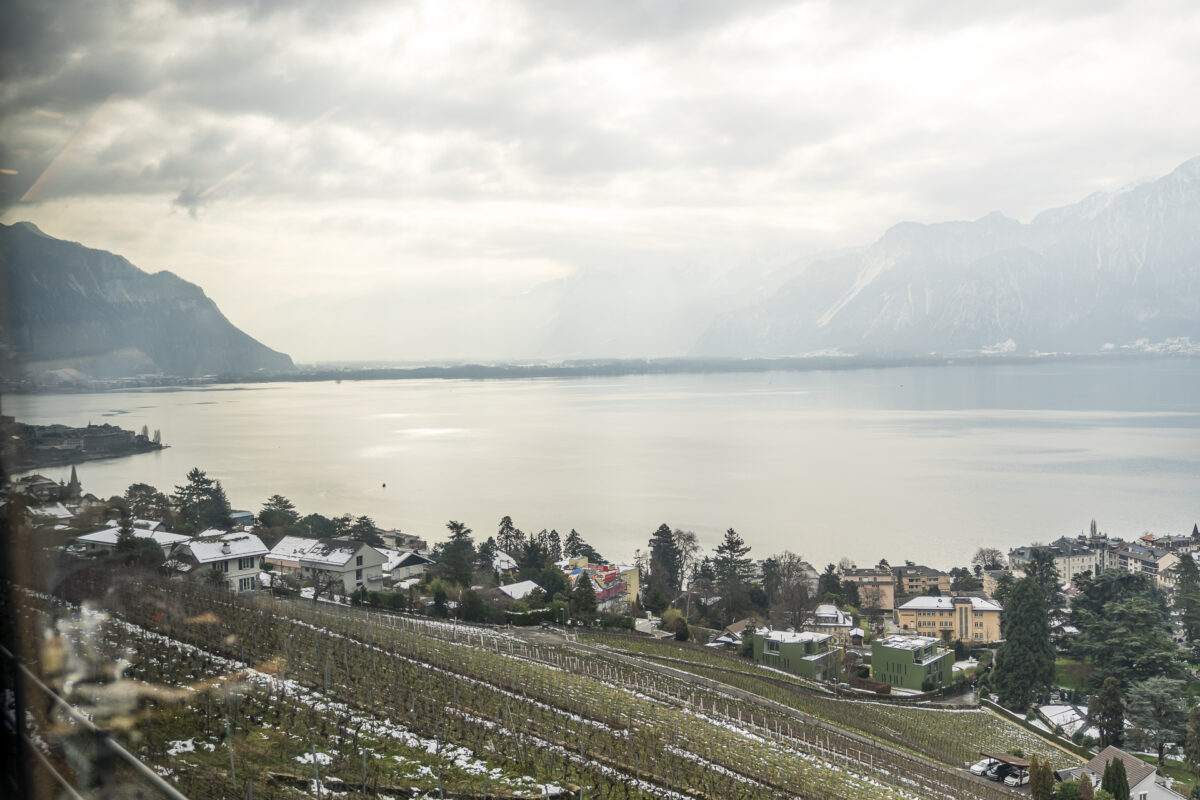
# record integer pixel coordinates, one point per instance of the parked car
(999, 771)
(980, 767)
(1018, 777)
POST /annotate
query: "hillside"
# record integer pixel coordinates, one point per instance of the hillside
(77, 310)
(1115, 270)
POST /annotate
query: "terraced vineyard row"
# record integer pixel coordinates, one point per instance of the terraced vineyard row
(951, 736)
(570, 723)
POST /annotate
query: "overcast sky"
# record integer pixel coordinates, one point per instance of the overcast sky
(300, 160)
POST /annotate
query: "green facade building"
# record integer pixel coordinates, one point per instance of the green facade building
(911, 662)
(807, 654)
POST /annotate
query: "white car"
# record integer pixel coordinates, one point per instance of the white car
(980, 767)
(1018, 778)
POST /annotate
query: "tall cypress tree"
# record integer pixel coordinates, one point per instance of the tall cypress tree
(1025, 662)
(1115, 781)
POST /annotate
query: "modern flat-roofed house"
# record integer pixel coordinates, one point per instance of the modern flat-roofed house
(831, 620)
(1144, 781)
(105, 539)
(967, 618)
(919, 663)
(808, 654)
(237, 557)
(353, 563)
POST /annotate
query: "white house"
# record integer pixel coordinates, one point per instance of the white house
(105, 539)
(1144, 780)
(521, 590)
(285, 555)
(355, 564)
(237, 556)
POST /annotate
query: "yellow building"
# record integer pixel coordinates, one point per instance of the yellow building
(876, 587)
(917, 579)
(969, 619)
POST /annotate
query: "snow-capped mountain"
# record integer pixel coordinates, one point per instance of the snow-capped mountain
(1113, 270)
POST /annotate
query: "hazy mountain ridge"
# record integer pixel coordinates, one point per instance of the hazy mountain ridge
(1112, 269)
(74, 308)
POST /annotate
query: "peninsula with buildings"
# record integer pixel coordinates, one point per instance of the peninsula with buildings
(29, 447)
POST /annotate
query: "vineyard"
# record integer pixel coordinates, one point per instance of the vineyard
(291, 699)
(951, 736)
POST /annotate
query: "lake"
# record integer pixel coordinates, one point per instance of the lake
(920, 463)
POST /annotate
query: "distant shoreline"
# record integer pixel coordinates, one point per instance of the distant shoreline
(587, 368)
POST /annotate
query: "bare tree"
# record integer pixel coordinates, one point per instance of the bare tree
(793, 596)
(688, 546)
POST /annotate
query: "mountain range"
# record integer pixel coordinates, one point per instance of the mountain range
(1116, 270)
(80, 312)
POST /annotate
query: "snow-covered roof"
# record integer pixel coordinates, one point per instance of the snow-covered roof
(908, 642)
(503, 562)
(413, 559)
(828, 614)
(56, 510)
(792, 637)
(333, 552)
(146, 524)
(519, 591)
(210, 548)
(292, 547)
(931, 603)
(109, 536)
(857, 632)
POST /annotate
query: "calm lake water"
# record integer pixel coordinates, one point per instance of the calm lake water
(924, 463)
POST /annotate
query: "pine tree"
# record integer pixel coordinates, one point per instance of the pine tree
(1191, 745)
(277, 512)
(1025, 661)
(664, 562)
(201, 503)
(458, 556)
(584, 597)
(733, 571)
(1187, 596)
(1106, 711)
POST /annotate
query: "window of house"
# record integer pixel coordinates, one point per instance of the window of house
(772, 646)
(358, 574)
(246, 563)
(358, 561)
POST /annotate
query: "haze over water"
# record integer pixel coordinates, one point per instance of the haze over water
(924, 463)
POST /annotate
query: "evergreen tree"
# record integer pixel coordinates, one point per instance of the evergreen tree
(1025, 661)
(829, 583)
(458, 555)
(583, 599)
(664, 562)
(733, 570)
(201, 504)
(1157, 713)
(1191, 741)
(555, 545)
(1004, 584)
(1115, 781)
(1042, 569)
(316, 526)
(1041, 779)
(1085, 788)
(1125, 627)
(146, 502)
(278, 512)
(508, 537)
(363, 529)
(1106, 711)
(485, 556)
(1187, 596)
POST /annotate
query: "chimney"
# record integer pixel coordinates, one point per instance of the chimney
(225, 548)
